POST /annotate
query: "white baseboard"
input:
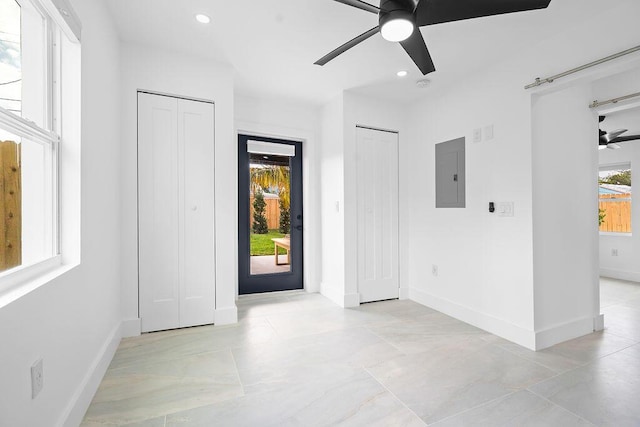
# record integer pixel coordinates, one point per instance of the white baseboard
(564, 332)
(351, 300)
(81, 399)
(598, 322)
(403, 293)
(333, 294)
(131, 328)
(620, 275)
(226, 315)
(499, 327)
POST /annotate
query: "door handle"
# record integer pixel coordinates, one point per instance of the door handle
(299, 227)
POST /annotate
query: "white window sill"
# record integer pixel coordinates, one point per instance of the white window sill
(611, 233)
(16, 283)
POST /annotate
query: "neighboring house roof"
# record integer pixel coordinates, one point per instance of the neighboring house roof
(614, 189)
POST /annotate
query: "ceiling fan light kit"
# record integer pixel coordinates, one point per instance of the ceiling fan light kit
(396, 25)
(400, 21)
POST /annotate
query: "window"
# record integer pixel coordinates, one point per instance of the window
(30, 104)
(614, 184)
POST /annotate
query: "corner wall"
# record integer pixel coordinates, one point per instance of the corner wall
(491, 268)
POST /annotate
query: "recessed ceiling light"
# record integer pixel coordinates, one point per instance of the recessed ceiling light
(203, 19)
(401, 73)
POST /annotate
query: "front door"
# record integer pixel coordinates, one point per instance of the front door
(269, 214)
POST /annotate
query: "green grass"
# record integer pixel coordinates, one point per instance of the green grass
(261, 244)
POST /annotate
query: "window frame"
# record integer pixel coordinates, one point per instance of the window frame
(21, 279)
(622, 166)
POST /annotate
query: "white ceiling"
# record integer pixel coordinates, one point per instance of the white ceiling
(272, 44)
(626, 119)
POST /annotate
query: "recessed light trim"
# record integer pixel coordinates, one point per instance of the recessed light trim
(401, 73)
(202, 18)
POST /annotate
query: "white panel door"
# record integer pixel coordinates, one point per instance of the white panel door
(158, 212)
(195, 139)
(176, 224)
(377, 187)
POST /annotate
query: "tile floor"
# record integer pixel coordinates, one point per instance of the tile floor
(295, 359)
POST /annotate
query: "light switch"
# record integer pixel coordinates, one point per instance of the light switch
(488, 132)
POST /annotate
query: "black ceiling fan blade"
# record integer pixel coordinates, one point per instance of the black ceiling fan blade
(610, 136)
(360, 5)
(625, 139)
(348, 45)
(417, 50)
(431, 12)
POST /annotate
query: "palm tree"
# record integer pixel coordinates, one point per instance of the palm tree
(272, 177)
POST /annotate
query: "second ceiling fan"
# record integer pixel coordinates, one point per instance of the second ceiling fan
(400, 21)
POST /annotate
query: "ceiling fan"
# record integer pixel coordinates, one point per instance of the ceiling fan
(400, 21)
(612, 139)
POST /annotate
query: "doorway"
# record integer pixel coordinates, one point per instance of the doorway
(270, 218)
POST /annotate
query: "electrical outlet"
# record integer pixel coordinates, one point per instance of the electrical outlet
(434, 270)
(37, 378)
(614, 252)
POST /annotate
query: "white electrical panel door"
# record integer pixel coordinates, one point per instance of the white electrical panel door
(377, 202)
(175, 212)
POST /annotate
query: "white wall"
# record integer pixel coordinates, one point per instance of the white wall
(332, 200)
(170, 73)
(73, 321)
(290, 120)
(565, 229)
(486, 263)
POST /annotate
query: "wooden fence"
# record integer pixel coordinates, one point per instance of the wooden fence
(10, 205)
(617, 209)
(271, 211)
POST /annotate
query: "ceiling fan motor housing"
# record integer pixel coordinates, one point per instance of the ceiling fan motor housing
(396, 9)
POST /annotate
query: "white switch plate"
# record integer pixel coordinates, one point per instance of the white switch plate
(488, 132)
(434, 270)
(505, 209)
(614, 252)
(477, 135)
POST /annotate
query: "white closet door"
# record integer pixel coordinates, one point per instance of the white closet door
(377, 187)
(176, 223)
(158, 212)
(195, 139)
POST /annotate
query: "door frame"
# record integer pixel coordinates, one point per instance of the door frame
(298, 256)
